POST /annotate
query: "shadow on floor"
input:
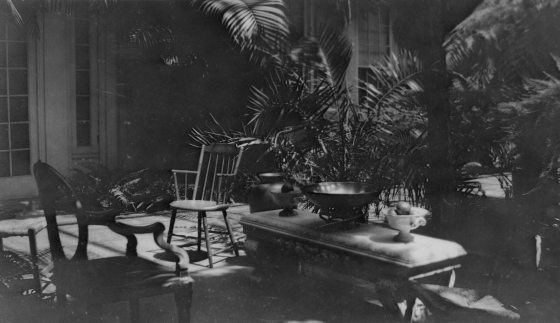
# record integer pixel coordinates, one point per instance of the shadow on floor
(228, 294)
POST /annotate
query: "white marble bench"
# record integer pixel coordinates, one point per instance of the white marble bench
(366, 251)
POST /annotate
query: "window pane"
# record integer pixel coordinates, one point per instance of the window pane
(17, 54)
(3, 19)
(82, 83)
(20, 135)
(374, 43)
(363, 21)
(4, 137)
(3, 110)
(16, 32)
(20, 163)
(3, 82)
(4, 164)
(82, 108)
(18, 109)
(83, 136)
(82, 57)
(373, 36)
(18, 82)
(2, 54)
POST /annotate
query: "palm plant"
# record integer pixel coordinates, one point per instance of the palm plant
(306, 114)
(498, 48)
(534, 130)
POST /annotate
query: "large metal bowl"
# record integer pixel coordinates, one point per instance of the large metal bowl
(340, 197)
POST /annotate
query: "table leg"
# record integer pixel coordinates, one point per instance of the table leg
(268, 260)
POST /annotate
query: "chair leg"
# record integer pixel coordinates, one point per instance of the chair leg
(207, 238)
(34, 260)
(134, 307)
(230, 233)
(171, 225)
(183, 300)
(199, 237)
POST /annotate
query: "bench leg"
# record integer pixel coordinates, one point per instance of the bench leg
(183, 300)
(134, 307)
(402, 300)
(415, 310)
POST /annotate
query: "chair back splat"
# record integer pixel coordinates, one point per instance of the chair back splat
(212, 181)
(55, 193)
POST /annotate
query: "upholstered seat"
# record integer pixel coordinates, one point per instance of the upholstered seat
(25, 227)
(21, 227)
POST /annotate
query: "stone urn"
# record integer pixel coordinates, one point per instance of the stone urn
(405, 222)
(261, 196)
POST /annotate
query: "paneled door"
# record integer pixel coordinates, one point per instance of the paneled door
(15, 143)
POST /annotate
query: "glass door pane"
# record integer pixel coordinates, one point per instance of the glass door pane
(14, 110)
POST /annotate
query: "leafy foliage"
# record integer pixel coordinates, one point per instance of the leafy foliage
(506, 52)
(534, 125)
(144, 190)
(506, 40)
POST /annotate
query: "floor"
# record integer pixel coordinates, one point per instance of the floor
(226, 293)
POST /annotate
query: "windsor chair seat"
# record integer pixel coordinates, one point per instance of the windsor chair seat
(104, 280)
(198, 205)
(207, 189)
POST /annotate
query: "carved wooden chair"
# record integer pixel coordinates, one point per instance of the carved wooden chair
(105, 280)
(212, 180)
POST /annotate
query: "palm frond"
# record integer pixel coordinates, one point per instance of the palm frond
(393, 81)
(150, 35)
(14, 11)
(324, 59)
(506, 40)
(259, 26)
(338, 53)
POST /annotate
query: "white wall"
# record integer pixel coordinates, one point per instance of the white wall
(54, 99)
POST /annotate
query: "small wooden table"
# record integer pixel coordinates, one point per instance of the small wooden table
(303, 243)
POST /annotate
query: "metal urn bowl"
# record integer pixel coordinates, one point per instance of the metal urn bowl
(342, 200)
(271, 178)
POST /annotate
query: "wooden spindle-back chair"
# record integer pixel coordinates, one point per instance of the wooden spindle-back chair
(207, 189)
(111, 279)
